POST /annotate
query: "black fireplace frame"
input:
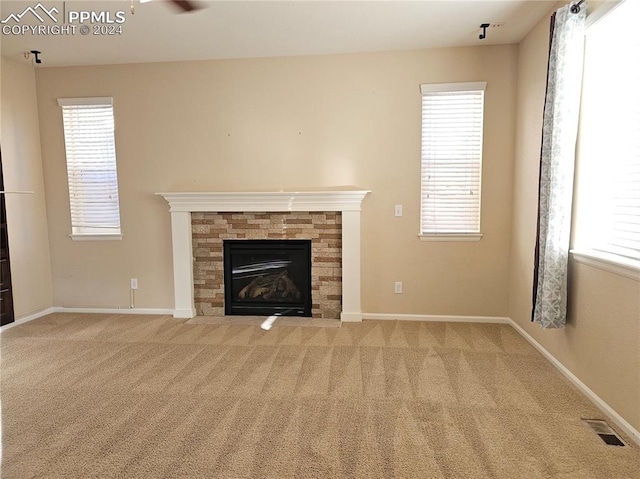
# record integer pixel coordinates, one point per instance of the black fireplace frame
(234, 307)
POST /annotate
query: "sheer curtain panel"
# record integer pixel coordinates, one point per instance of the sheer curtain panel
(559, 133)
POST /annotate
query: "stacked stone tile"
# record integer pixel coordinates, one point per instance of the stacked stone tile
(324, 229)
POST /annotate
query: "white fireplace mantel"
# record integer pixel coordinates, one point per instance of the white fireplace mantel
(347, 200)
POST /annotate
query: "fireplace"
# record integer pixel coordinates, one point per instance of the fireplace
(346, 201)
(267, 277)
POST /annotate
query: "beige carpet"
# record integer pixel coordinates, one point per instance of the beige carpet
(265, 322)
(98, 396)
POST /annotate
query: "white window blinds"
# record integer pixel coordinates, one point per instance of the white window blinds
(91, 165)
(452, 127)
(609, 164)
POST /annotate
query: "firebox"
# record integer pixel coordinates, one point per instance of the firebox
(267, 277)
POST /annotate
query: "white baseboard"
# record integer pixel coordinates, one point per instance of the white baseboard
(63, 309)
(27, 318)
(183, 313)
(595, 399)
(435, 318)
(351, 317)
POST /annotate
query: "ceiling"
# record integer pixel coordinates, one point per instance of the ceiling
(243, 29)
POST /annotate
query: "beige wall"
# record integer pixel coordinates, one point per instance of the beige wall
(285, 123)
(26, 214)
(601, 342)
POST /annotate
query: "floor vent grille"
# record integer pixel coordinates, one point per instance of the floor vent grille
(602, 429)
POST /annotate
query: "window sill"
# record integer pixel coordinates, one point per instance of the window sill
(608, 262)
(451, 237)
(90, 237)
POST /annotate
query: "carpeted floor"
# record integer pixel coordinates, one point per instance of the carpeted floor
(103, 396)
(266, 322)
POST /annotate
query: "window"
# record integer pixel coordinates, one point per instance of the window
(608, 180)
(452, 127)
(91, 168)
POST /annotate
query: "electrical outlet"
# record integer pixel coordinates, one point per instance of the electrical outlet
(134, 283)
(398, 287)
(398, 210)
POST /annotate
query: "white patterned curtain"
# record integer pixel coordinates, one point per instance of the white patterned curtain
(559, 132)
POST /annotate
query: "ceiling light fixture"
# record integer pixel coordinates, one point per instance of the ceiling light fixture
(35, 54)
(484, 27)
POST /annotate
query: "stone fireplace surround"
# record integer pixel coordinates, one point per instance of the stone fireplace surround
(323, 229)
(346, 200)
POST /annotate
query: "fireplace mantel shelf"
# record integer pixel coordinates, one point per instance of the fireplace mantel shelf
(347, 200)
(268, 201)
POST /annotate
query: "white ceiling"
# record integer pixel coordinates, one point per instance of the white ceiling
(244, 29)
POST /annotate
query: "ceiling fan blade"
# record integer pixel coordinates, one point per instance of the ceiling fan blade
(186, 5)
